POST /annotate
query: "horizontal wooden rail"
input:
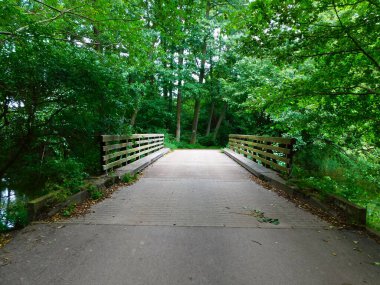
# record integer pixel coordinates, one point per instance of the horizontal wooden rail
(118, 151)
(271, 152)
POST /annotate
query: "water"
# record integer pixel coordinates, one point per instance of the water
(7, 198)
(13, 198)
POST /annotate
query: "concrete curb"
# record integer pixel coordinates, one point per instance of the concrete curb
(44, 203)
(261, 172)
(353, 214)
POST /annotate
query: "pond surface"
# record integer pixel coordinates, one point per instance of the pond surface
(13, 198)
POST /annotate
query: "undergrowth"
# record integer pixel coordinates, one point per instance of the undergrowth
(128, 178)
(204, 142)
(349, 175)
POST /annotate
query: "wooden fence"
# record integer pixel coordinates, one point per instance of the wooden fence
(271, 152)
(118, 151)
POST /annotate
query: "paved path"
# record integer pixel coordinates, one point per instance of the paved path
(185, 222)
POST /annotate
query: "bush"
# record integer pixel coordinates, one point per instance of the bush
(64, 175)
(204, 142)
(95, 193)
(207, 140)
(329, 169)
(68, 211)
(128, 178)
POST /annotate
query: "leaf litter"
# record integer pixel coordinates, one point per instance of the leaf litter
(260, 216)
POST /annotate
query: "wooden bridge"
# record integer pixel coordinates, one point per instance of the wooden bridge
(194, 217)
(272, 152)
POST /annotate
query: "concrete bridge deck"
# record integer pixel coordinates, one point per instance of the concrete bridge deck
(186, 222)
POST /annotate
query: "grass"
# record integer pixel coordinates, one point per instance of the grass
(128, 178)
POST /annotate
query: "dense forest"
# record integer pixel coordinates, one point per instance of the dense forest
(196, 71)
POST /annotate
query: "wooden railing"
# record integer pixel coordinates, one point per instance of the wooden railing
(271, 152)
(118, 150)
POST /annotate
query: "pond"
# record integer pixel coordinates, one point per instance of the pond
(13, 198)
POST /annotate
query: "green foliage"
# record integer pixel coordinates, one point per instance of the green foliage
(69, 210)
(329, 169)
(204, 142)
(207, 141)
(373, 214)
(66, 173)
(94, 192)
(128, 178)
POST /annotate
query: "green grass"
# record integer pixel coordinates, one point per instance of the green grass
(128, 178)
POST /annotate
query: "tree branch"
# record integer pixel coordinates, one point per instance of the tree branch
(357, 44)
(47, 5)
(330, 53)
(6, 33)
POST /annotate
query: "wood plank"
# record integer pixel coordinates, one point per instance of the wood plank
(271, 163)
(144, 152)
(139, 148)
(116, 146)
(267, 154)
(150, 140)
(128, 158)
(116, 138)
(272, 147)
(108, 138)
(265, 139)
(115, 163)
(131, 150)
(137, 136)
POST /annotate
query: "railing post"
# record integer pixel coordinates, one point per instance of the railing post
(290, 156)
(126, 149)
(101, 151)
(139, 139)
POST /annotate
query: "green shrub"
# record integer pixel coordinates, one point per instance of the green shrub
(330, 169)
(128, 178)
(63, 176)
(207, 140)
(68, 211)
(94, 192)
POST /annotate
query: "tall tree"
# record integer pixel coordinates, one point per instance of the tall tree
(197, 105)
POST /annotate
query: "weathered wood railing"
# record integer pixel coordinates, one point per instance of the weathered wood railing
(271, 152)
(118, 150)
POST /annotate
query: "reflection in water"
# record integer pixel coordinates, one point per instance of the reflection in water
(16, 189)
(15, 192)
(7, 198)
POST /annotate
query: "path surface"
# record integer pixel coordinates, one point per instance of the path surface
(185, 222)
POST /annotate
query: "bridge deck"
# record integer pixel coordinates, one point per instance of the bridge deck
(185, 222)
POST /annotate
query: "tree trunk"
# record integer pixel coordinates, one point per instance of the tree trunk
(170, 87)
(179, 97)
(170, 97)
(197, 105)
(221, 118)
(210, 118)
(133, 119)
(165, 90)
